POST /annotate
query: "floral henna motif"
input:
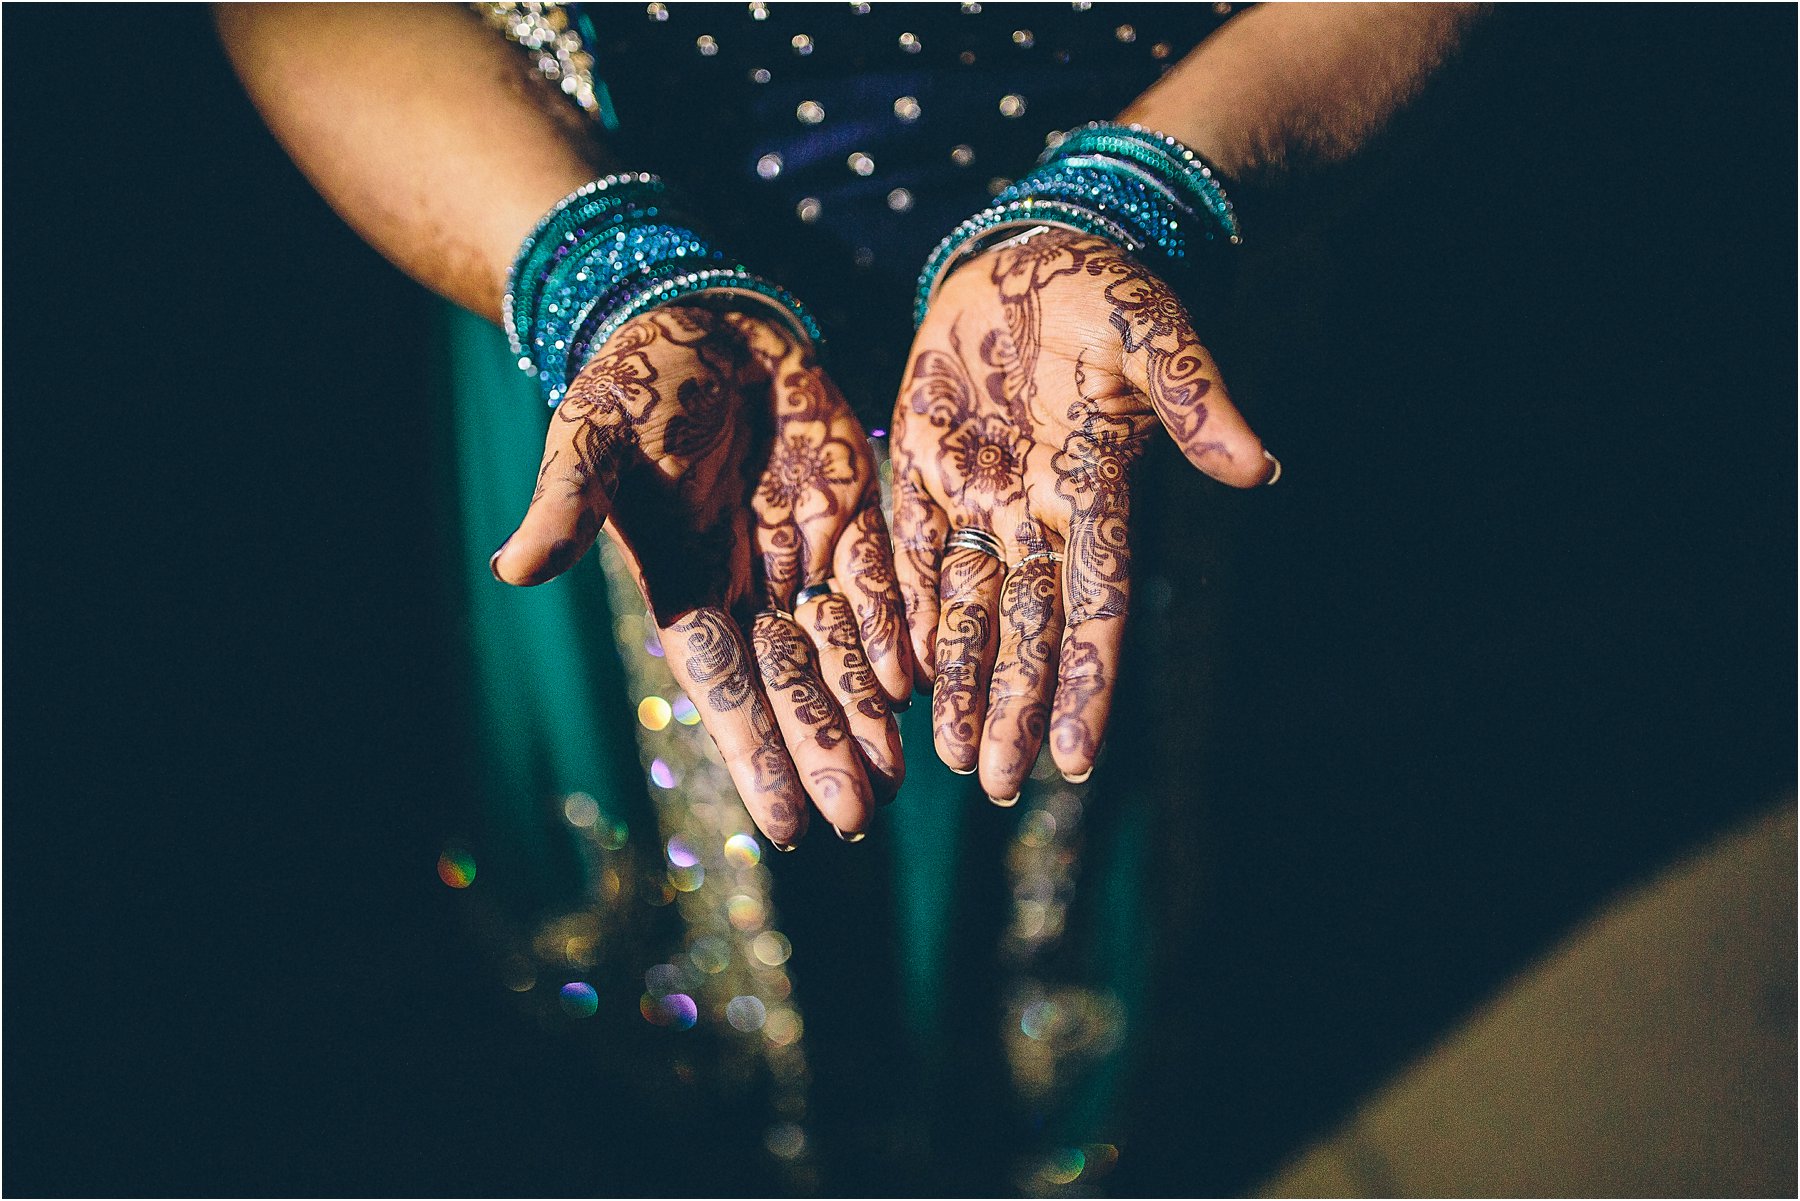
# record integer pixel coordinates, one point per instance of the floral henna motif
(964, 646)
(870, 567)
(837, 625)
(815, 473)
(1020, 277)
(713, 655)
(1029, 603)
(1153, 323)
(981, 453)
(1084, 678)
(784, 659)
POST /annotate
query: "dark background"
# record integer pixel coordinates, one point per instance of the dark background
(1520, 626)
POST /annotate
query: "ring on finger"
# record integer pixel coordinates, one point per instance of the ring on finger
(772, 611)
(1040, 556)
(813, 592)
(971, 538)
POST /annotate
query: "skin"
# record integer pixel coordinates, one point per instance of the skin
(1042, 370)
(1037, 380)
(710, 447)
(730, 473)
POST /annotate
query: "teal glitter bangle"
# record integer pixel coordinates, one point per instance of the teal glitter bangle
(1162, 155)
(1141, 190)
(603, 200)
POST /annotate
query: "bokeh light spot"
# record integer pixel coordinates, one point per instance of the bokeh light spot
(579, 1000)
(681, 854)
(746, 1014)
(654, 713)
(741, 850)
(456, 867)
(772, 947)
(684, 711)
(662, 775)
(581, 810)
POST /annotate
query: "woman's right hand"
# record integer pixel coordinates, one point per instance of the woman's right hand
(731, 474)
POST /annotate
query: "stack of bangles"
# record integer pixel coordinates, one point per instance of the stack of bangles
(613, 249)
(1143, 191)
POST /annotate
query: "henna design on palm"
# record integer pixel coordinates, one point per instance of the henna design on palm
(729, 471)
(1033, 428)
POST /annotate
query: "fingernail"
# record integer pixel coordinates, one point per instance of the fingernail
(960, 772)
(782, 846)
(1005, 802)
(1081, 779)
(494, 561)
(1273, 475)
(847, 836)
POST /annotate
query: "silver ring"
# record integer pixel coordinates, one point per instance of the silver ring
(1036, 555)
(813, 592)
(970, 538)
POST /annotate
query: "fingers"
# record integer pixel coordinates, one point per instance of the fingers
(573, 498)
(964, 655)
(864, 568)
(1018, 708)
(709, 659)
(1172, 368)
(810, 723)
(920, 528)
(1097, 573)
(848, 676)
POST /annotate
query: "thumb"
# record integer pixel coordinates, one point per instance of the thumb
(574, 496)
(1168, 364)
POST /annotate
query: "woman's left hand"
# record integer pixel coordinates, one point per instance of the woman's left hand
(1035, 382)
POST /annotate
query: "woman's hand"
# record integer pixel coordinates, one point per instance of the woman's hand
(1035, 381)
(731, 474)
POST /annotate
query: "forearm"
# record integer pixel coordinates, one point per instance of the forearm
(1286, 94)
(428, 133)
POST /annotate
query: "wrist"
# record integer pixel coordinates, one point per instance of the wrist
(1145, 192)
(611, 250)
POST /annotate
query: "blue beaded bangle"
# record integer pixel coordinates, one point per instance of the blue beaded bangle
(612, 249)
(1141, 190)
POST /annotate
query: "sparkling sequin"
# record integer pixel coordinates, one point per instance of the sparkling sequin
(1023, 39)
(1012, 105)
(1161, 51)
(769, 166)
(962, 155)
(707, 45)
(760, 75)
(907, 108)
(909, 42)
(758, 11)
(802, 44)
(900, 200)
(657, 12)
(810, 112)
(1126, 34)
(808, 209)
(860, 163)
